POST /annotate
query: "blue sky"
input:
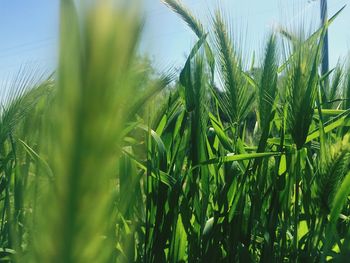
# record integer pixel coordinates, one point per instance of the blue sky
(167, 39)
(29, 28)
(29, 33)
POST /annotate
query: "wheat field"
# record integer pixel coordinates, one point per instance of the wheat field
(219, 161)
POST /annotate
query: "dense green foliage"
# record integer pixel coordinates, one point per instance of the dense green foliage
(224, 161)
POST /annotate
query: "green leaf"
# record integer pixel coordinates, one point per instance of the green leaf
(240, 157)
